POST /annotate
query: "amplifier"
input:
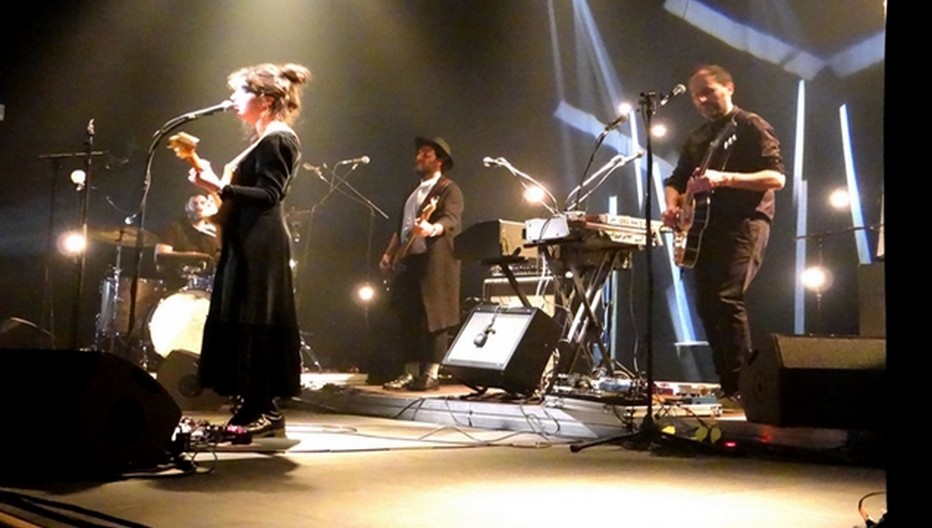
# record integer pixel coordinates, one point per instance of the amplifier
(539, 291)
(491, 240)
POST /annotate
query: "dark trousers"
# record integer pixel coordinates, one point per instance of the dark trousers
(729, 258)
(419, 344)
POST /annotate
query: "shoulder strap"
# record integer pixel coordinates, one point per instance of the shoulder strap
(438, 188)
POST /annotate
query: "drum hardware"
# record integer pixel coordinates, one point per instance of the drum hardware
(113, 319)
(194, 268)
(308, 357)
(123, 236)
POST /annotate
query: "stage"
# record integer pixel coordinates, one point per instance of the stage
(357, 455)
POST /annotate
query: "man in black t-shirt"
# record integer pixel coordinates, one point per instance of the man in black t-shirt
(741, 177)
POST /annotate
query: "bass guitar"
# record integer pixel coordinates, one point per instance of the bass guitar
(397, 264)
(695, 211)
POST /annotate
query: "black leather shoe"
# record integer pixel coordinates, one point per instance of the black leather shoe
(425, 382)
(268, 424)
(400, 383)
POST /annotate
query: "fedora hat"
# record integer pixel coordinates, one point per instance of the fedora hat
(441, 148)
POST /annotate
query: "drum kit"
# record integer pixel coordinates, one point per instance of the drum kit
(166, 318)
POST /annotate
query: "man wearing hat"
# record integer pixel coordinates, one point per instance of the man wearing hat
(424, 276)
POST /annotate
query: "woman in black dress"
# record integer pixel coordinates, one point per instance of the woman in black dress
(251, 345)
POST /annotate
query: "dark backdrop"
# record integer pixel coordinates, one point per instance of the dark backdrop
(487, 75)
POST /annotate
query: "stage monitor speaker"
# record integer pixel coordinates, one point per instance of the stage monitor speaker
(503, 347)
(811, 381)
(178, 374)
(77, 414)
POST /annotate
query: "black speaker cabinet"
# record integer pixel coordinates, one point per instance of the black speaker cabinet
(178, 374)
(503, 347)
(73, 413)
(811, 381)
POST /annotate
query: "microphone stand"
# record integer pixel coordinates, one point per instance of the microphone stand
(140, 214)
(522, 177)
(648, 433)
(605, 171)
(82, 259)
(338, 183)
(49, 297)
(373, 209)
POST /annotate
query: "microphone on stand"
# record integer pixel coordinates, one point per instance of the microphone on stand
(620, 120)
(362, 160)
(483, 336)
(489, 162)
(679, 89)
(314, 168)
(203, 112)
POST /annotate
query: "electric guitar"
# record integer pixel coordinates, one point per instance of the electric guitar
(397, 264)
(185, 147)
(696, 209)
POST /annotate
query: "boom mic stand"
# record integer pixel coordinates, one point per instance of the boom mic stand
(140, 214)
(338, 184)
(648, 433)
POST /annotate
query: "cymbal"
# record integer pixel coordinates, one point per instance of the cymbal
(182, 257)
(127, 236)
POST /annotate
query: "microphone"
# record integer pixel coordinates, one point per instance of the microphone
(131, 218)
(362, 160)
(620, 120)
(489, 162)
(483, 336)
(219, 107)
(679, 89)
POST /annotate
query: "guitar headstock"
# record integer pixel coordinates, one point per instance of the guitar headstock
(184, 145)
(430, 207)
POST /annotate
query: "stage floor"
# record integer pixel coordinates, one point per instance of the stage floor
(358, 456)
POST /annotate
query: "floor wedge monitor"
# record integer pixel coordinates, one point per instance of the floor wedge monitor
(811, 381)
(503, 347)
(77, 413)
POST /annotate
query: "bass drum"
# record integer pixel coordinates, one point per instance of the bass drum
(177, 322)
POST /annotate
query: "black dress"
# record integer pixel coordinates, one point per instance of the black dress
(251, 344)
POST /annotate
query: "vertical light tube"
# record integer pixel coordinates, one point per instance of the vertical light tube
(801, 201)
(854, 195)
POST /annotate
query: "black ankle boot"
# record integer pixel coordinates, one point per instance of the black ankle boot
(245, 413)
(268, 424)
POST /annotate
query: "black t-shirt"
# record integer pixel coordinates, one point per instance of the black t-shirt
(182, 236)
(755, 147)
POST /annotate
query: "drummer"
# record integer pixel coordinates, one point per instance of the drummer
(189, 245)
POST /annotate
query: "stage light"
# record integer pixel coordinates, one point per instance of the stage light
(659, 130)
(535, 195)
(817, 279)
(624, 108)
(78, 178)
(72, 243)
(839, 199)
(365, 293)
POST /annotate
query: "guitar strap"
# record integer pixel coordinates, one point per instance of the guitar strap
(434, 191)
